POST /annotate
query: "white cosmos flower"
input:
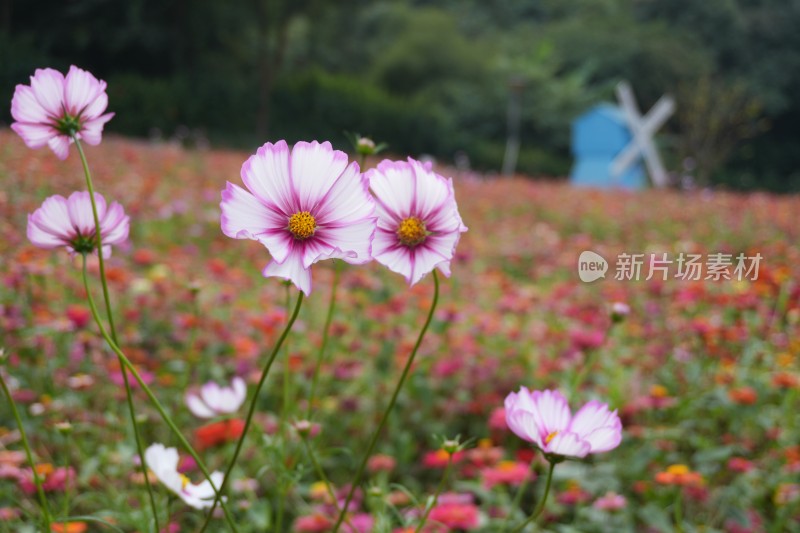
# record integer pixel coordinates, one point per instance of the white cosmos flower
(163, 462)
(214, 400)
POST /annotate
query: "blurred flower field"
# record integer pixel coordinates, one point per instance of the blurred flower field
(704, 374)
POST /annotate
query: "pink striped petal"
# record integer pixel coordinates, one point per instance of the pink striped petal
(35, 135)
(80, 89)
(26, 108)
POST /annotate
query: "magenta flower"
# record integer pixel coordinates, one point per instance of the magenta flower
(69, 222)
(303, 205)
(544, 418)
(418, 221)
(53, 108)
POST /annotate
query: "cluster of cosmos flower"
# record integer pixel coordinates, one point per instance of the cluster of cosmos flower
(305, 204)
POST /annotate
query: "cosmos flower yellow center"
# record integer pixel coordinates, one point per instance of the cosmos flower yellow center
(411, 231)
(302, 225)
(184, 481)
(550, 437)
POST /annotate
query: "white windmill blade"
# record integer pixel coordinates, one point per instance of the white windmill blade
(625, 159)
(659, 114)
(654, 165)
(628, 101)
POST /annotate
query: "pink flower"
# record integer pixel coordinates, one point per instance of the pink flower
(303, 206)
(418, 221)
(610, 501)
(214, 400)
(455, 515)
(544, 418)
(506, 472)
(53, 108)
(68, 222)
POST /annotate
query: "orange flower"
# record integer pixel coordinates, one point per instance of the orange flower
(679, 475)
(743, 395)
(69, 527)
(217, 433)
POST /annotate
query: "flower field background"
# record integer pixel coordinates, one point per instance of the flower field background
(704, 374)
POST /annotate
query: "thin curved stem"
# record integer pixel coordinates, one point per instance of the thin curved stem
(157, 404)
(321, 473)
(385, 417)
(252, 408)
(26, 445)
(542, 502)
(436, 494)
(112, 328)
(325, 335)
(677, 510)
(517, 498)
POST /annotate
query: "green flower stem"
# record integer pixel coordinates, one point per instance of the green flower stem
(517, 498)
(112, 328)
(677, 510)
(26, 445)
(161, 411)
(542, 502)
(325, 335)
(580, 376)
(252, 408)
(403, 376)
(321, 474)
(439, 489)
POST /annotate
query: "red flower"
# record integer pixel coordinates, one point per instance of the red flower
(218, 433)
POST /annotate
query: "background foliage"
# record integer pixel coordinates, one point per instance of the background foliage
(433, 76)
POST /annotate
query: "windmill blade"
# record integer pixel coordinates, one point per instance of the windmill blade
(659, 114)
(628, 156)
(653, 161)
(628, 101)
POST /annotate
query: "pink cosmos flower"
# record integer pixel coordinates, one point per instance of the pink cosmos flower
(611, 501)
(418, 221)
(68, 222)
(53, 108)
(303, 205)
(214, 400)
(544, 418)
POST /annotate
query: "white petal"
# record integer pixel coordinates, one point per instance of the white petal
(92, 131)
(79, 205)
(80, 89)
(567, 444)
(592, 416)
(394, 186)
(314, 169)
(96, 108)
(245, 217)
(431, 191)
(266, 175)
(48, 87)
(198, 407)
(34, 135)
(390, 253)
(604, 439)
(523, 424)
(348, 200)
(354, 240)
(26, 108)
(291, 269)
(164, 464)
(551, 411)
(60, 146)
